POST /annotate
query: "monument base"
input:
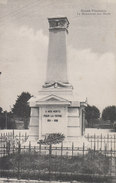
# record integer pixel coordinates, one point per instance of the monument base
(56, 110)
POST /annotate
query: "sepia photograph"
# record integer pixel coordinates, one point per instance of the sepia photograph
(58, 91)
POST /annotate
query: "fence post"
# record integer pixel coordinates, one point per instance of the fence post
(111, 141)
(72, 148)
(19, 136)
(83, 149)
(50, 152)
(1, 140)
(29, 147)
(94, 148)
(61, 157)
(94, 141)
(107, 141)
(106, 149)
(97, 142)
(13, 134)
(19, 151)
(40, 148)
(114, 143)
(4, 150)
(90, 138)
(101, 141)
(61, 149)
(25, 137)
(8, 148)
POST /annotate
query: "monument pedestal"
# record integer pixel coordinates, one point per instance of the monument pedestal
(55, 110)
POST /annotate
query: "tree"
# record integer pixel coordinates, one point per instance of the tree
(109, 113)
(10, 121)
(6, 120)
(2, 119)
(1, 110)
(91, 113)
(114, 126)
(21, 108)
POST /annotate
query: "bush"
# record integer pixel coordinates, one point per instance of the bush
(53, 138)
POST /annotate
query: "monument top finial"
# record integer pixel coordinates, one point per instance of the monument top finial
(58, 23)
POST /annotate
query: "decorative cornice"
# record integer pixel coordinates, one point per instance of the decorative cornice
(57, 84)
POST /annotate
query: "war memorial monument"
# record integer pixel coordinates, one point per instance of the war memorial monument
(56, 109)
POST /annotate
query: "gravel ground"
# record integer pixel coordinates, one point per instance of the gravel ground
(3, 180)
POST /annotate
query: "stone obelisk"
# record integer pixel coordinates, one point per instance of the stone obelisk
(57, 57)
(57, 61)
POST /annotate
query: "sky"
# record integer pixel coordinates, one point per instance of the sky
(91, 48)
